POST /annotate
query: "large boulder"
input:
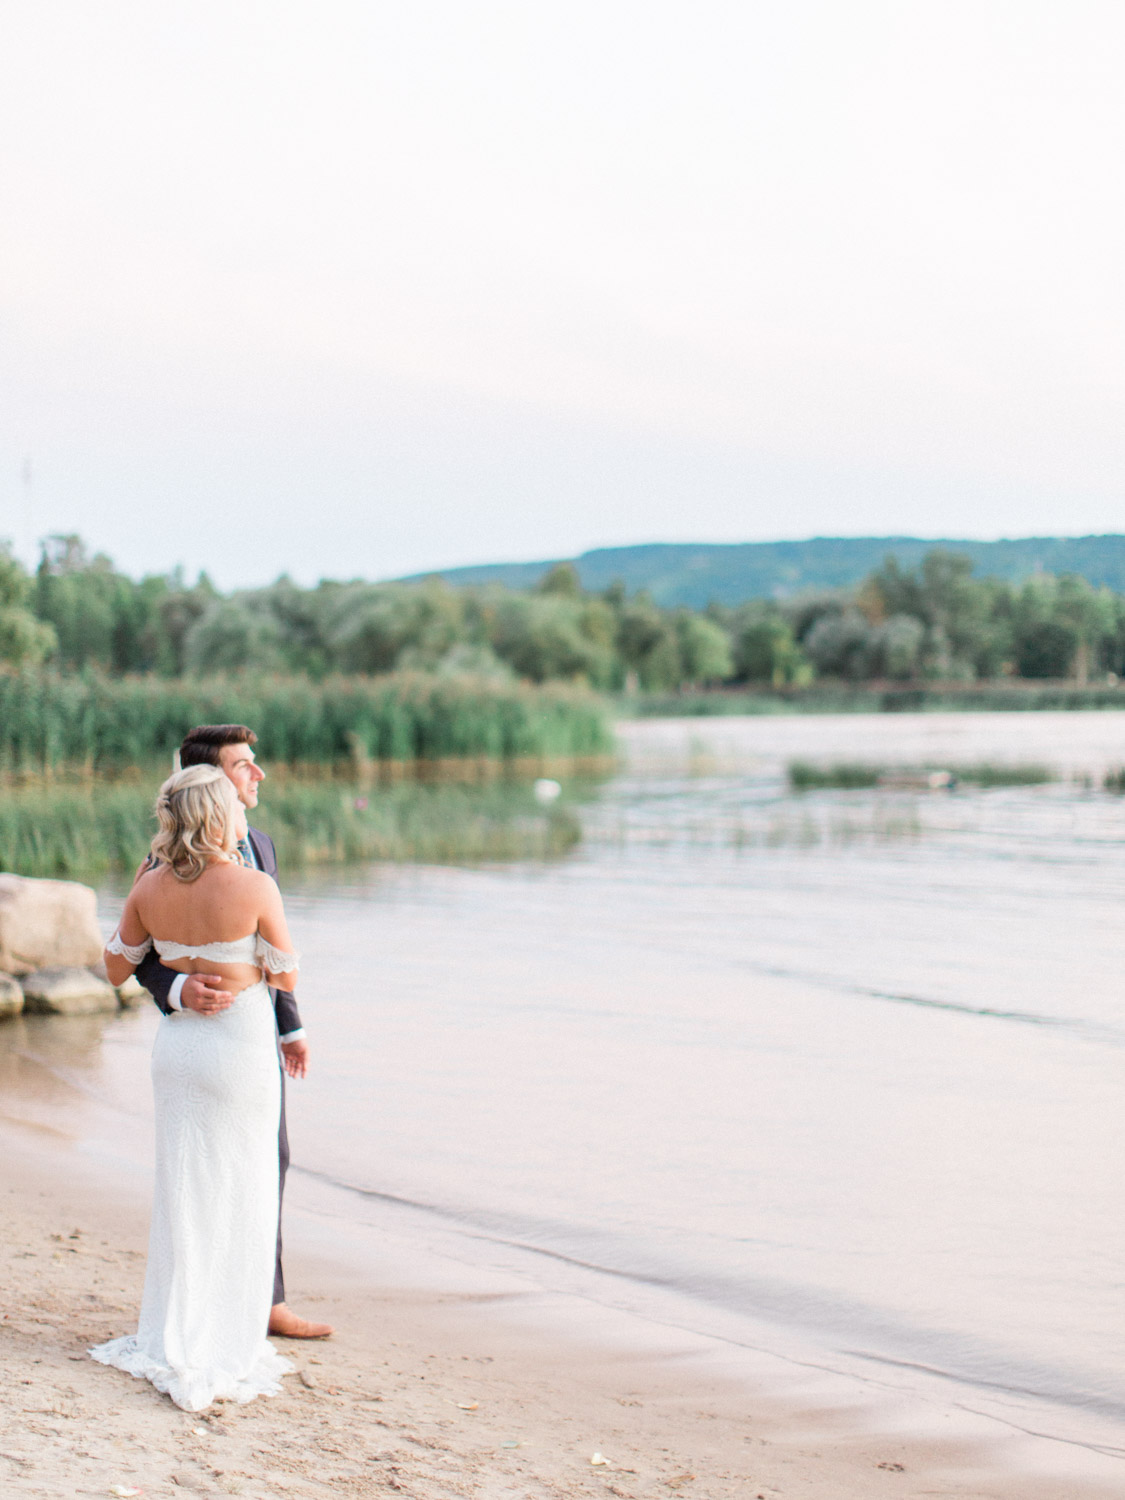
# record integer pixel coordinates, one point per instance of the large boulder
(67, 992)
(11, 997)
(47, 924)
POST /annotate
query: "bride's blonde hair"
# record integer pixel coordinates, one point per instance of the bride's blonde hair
(196, 811)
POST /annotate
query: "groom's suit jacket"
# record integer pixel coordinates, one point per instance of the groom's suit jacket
(158, 980)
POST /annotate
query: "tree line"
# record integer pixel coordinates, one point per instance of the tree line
(936, 622)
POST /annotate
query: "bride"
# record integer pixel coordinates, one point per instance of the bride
(216, 1081)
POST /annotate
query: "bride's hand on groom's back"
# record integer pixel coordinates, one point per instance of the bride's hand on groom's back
(204, 993)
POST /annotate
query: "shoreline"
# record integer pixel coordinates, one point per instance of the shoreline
(441, 1382)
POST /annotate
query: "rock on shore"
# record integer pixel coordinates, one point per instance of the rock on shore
(132, 993)
(11, 997)
(47, 924)
(65, 991)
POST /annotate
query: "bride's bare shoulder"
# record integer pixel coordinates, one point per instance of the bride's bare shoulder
(155, 889)
(265, 885)
(240, 881)
(153, 878)
(257, 888)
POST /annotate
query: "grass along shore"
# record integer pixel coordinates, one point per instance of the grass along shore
(806, 775)
(827, 696)
(84, 830)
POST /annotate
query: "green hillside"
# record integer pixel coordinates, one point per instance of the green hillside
(694, 574)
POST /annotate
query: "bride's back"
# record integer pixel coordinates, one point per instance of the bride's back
(221, 905)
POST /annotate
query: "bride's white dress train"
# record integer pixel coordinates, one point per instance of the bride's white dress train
(209, 1279)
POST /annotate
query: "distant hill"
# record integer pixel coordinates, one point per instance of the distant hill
(697, 573)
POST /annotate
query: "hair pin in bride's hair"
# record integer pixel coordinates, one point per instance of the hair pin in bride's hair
(176, 762)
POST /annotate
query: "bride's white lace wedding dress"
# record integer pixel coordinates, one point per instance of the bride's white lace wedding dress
(209, 1280)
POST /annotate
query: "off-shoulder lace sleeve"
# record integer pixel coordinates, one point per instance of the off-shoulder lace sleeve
(276, 960)
(127, 950)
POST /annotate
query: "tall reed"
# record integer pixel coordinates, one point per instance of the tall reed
(49, 722)
(73, 831)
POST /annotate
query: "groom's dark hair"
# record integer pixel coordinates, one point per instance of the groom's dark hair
(202, 744)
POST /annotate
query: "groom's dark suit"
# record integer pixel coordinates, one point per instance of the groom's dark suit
(158, 981)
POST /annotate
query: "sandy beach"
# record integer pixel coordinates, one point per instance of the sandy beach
(424, 1391)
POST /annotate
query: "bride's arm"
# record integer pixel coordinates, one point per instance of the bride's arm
(128, 945)
(274, 929)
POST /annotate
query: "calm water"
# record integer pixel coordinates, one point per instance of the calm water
(842, 1067)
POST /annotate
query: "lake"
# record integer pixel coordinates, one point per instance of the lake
(836, 1071)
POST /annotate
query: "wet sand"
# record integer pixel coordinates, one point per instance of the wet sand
(429, 1392)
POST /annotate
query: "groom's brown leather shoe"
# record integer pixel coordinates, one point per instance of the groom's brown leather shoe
(284, 1323)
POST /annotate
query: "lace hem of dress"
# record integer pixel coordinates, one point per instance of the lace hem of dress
(195, 1390)
(133, 952)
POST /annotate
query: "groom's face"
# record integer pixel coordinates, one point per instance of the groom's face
(243, 771)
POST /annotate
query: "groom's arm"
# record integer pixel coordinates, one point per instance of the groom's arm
(151, 973)
(158, 981)
(289, 1027)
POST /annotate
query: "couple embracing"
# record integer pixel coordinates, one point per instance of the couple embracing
(204, 930)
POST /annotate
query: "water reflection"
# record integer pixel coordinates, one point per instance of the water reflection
(68, 1075)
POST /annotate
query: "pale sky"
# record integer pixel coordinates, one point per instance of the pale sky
(360, 288)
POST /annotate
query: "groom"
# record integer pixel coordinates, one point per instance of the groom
(229, 746)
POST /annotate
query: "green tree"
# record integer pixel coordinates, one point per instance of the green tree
(1062, 627)
(968, 620)
(178, 610)
(547, 636)
(369, 627)
(297, 615)
(1045, 648)
(766, 650)
(898, 647)
(806, 610)
(647, 645)
(74, 593)
(1090, 613)
(24, 640)
(561, 580)
(1113, 644)
(101, 618)
(843, 644)
(233, 636)
(704, 650)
